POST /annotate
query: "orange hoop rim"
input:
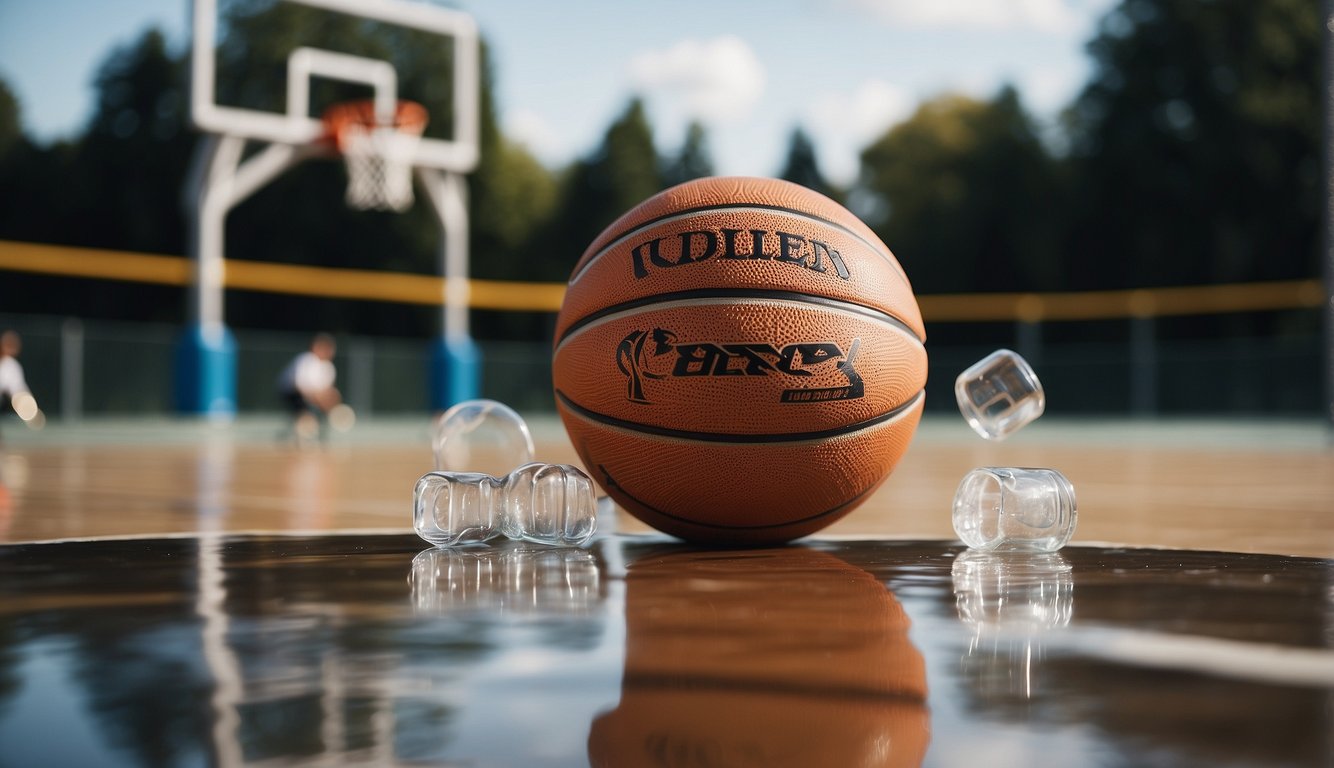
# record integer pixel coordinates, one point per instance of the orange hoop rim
(410, 118)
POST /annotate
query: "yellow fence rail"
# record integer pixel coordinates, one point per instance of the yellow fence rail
(327, 282)
(397, 287)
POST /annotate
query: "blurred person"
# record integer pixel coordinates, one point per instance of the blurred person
(306, 387)
(14, 392)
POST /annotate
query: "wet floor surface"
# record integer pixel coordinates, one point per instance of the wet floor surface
(638, 651)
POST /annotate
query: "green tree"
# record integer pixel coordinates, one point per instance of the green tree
(516, 197)
(116, 186)
(511, 201)
(621, 173)
(24, 202)
(34, 198)
(134, 152)
(692, 161)
(11, 129)
(512, 196)
(1195, 145)
(966, 196)
(802, 167)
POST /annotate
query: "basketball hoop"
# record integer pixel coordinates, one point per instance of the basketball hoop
(378, 155)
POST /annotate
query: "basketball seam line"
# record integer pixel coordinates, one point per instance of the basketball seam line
(738, 293)
(744, 438)
(644, 680)
(757, 526)
(885, 256)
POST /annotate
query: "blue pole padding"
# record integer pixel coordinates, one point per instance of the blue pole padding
(456, 371)
(206, 372)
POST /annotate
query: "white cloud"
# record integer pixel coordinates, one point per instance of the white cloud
(1044, 15)
(1047, 91)
(716, 80)
(534, 132)
(1044, 91)
(843, 123)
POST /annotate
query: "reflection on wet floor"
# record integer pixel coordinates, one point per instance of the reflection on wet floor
(1010, 602)
(769, 657)
(509, 578)
(370, 650)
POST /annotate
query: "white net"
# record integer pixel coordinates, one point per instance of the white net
(379, 166)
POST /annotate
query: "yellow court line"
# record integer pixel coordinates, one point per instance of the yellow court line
(404, 288)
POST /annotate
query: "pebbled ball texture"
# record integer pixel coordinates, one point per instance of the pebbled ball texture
(739, 360)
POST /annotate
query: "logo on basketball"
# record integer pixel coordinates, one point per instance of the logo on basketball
(695, 246)
(658, 354)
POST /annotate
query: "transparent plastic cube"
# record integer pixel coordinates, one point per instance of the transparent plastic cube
(1014, 509)
(481, 436)
(999, 394)
(453, 508)
(551, 504)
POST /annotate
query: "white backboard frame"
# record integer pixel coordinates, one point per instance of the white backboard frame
(297, 127)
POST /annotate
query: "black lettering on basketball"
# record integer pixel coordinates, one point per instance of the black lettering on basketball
(635, 358)
(701, 245)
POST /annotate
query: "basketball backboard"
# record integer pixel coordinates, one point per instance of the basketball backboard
(246, 53)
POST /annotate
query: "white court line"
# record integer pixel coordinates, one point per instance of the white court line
(285, 532)
(1259, 662)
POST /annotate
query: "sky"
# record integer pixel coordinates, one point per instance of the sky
(749, 70)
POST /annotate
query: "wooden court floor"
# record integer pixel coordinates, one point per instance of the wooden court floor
(1222, 485)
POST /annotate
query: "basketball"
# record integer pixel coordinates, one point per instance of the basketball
(739, 360)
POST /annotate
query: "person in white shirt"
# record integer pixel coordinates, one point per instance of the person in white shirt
(306, 387)
(14, 392)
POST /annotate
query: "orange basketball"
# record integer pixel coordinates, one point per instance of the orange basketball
(739, 360)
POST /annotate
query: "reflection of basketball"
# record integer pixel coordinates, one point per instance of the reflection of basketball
(739, 360)
(702, 687)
